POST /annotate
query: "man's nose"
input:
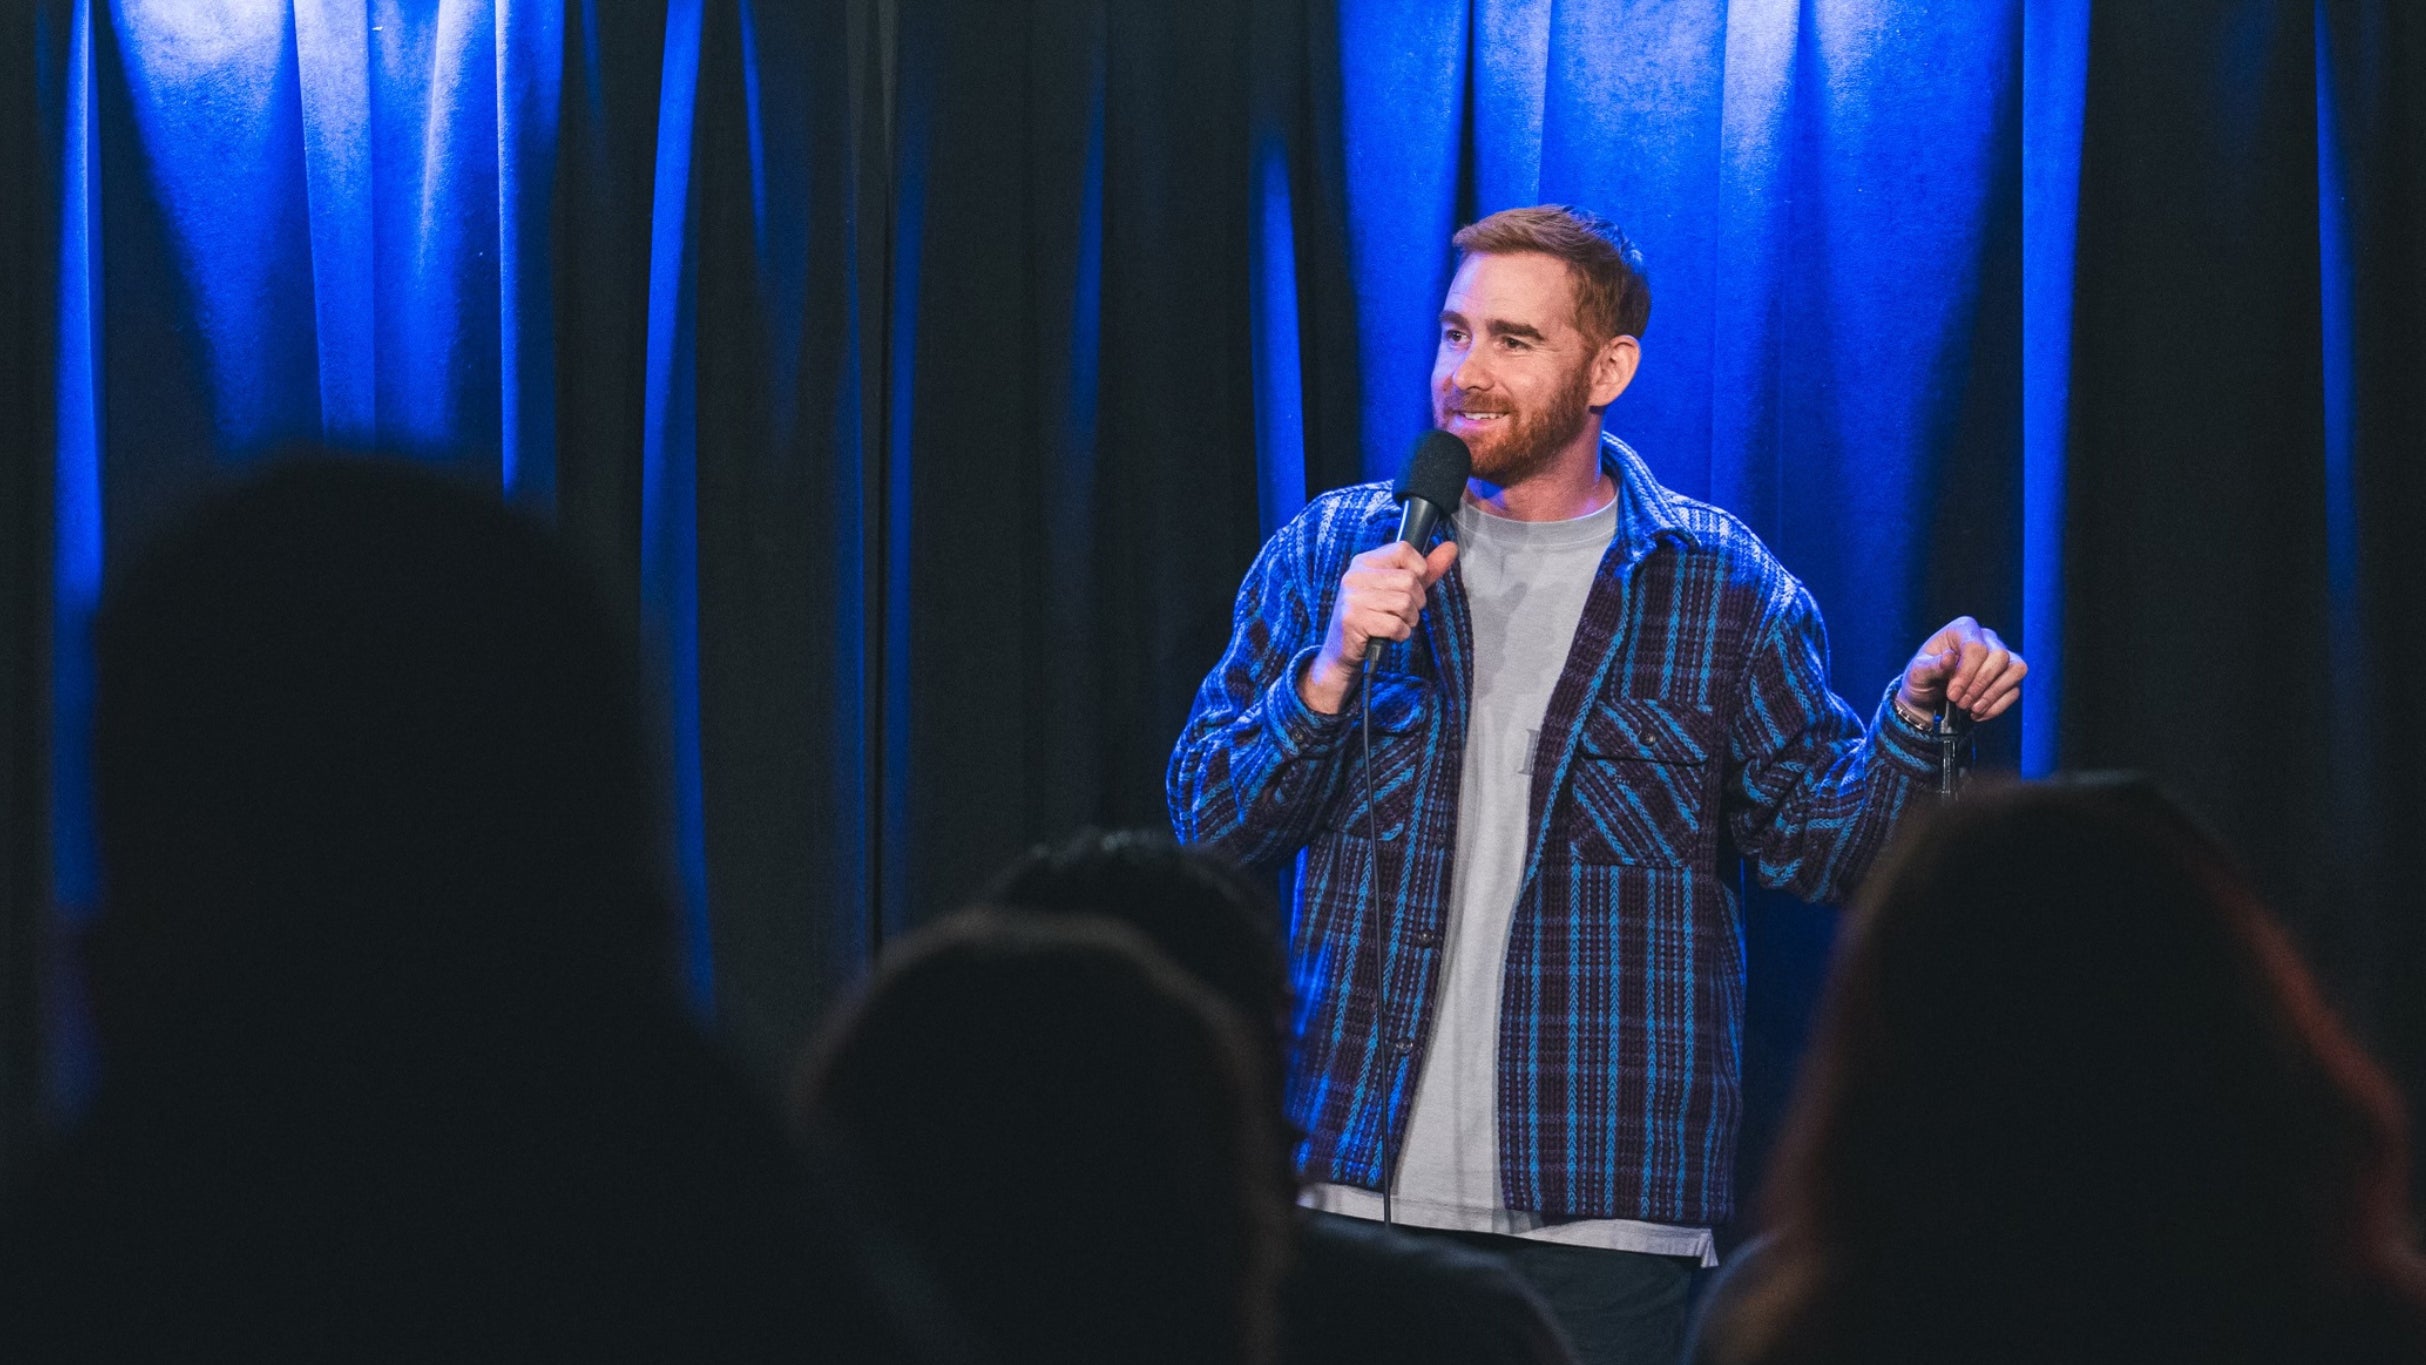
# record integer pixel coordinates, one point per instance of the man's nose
(1470, 374)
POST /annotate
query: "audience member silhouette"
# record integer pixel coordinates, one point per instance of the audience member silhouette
(1355, 1291)
(392, 1063)
(2073, 1097)
(1059, 1123)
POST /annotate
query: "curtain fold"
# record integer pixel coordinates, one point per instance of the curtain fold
(2371, 58)
(782, 521)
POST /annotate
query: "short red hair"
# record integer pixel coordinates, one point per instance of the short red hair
(1612, 295)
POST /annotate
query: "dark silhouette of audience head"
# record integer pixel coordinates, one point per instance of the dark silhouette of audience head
(391, 1059)
(1207, 917)
(1062, 1127)
(359, 730)
(1355, 1291)
(2072, 1096)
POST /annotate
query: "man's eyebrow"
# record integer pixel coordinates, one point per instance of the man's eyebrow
(1450, 317)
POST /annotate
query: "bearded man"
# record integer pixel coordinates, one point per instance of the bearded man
(1610, 694)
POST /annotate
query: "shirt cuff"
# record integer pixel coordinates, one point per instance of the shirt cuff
(1299, 729)
(1914, 750)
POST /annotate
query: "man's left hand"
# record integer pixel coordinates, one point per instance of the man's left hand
(1965, 666)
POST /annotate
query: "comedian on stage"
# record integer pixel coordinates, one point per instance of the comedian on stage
(1609, 693)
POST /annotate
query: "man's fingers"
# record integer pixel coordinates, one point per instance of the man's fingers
(1387, 584)
(1400, 589)
(1999, 694)
(1927, 673)
(1991, 668)
(1939, 657)
(1380, 614)
(1382, 595)
(1967, 666)
(1991, 700)
(1960, 688)
(1381, 623)
(1385, 575)
(1437, 563)
(1398, 554)
(1997, 704)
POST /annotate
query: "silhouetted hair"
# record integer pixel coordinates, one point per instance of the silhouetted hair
(1209, 918)
(1198, 910)
(350, 716)
(392, 1061)
(1612, 292)
(1061, 1126)
(2072, 1094)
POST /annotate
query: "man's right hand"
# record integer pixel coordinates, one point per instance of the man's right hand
(1380, 598)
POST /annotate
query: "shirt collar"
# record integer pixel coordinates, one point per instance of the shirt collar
(1645, 510)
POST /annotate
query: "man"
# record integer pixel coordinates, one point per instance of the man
(1608, 692)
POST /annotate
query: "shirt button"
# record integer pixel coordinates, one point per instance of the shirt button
(1424, 938)
(1403, 1047)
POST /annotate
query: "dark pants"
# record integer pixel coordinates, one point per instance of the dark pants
(1618, 1307)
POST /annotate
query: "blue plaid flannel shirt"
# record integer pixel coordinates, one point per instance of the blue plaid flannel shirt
(1693, 724)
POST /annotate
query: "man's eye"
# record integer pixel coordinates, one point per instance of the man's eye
(1454, 337)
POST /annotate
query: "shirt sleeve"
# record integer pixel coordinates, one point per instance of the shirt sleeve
(1255, 767)
(1812, 795)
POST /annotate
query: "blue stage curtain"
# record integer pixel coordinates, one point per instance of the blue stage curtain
(926, 371)
(602, 255)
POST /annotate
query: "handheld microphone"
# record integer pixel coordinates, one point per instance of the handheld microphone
(1433, 484)
(1434, 481)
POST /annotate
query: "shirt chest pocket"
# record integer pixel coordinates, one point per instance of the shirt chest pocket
(1640, 787)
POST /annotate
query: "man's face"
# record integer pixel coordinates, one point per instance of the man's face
(1513, 376)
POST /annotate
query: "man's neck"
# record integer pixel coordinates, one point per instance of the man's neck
(1571, 485)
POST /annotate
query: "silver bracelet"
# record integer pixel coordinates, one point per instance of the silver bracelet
(1922, 724)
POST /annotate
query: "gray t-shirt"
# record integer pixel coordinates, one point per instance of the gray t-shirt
(1526, 582)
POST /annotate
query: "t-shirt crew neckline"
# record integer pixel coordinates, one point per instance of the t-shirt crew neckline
(1477, 522)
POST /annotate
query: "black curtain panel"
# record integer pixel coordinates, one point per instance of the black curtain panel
(32, 60)
(1072, 417)
(789, 299)
(717, 239)
(2243, 571)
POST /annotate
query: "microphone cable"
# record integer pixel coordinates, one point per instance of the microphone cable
(1373, 953)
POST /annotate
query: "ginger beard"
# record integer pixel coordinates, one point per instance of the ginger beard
(1517, 444)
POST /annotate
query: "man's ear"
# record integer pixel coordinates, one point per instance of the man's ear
(1613, 369)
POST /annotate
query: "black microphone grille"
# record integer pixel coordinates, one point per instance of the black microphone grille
(1437, 471)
